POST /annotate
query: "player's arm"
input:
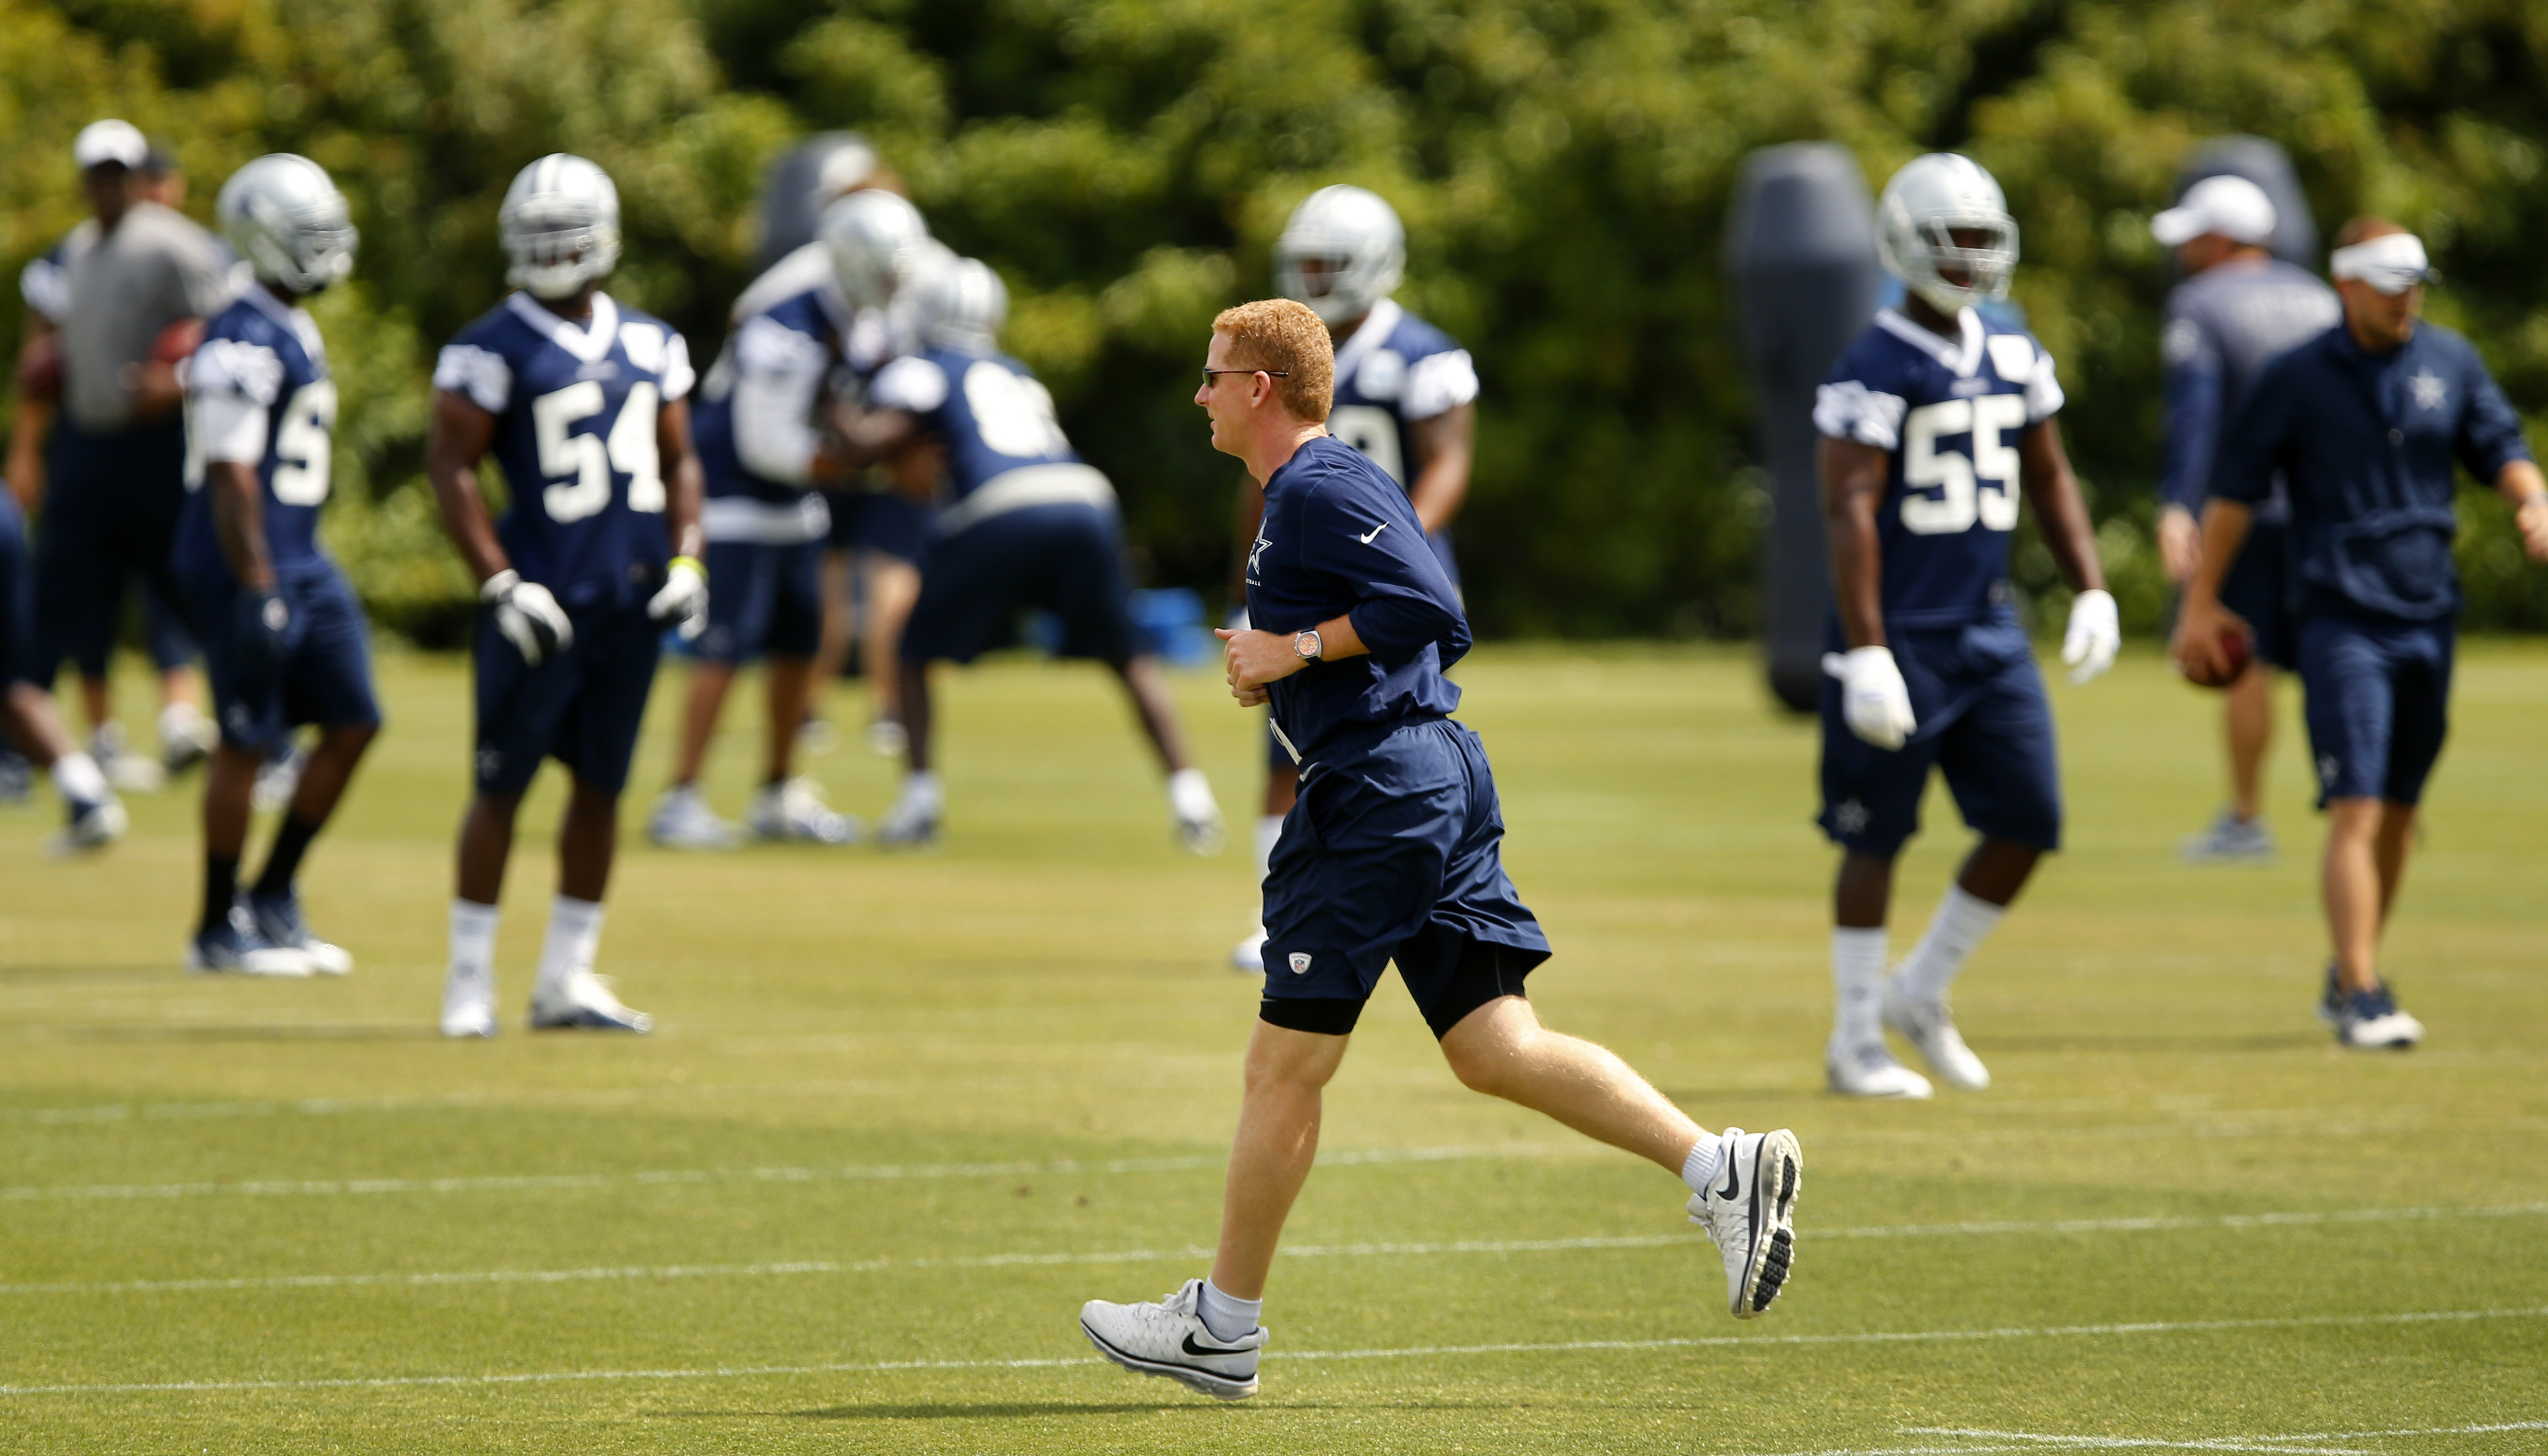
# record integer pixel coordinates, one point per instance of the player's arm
(1445, 445)
(2492, 447)
(2521, 483)
(686, 480)
(1852, 478)
(454, 443)
(238, 521)
(39, 383)
(2191, 390)
(1404, 603)
(2045, 475)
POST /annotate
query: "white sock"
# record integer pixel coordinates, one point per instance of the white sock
(1226, 1317)
(473, 942)
(1857, 979)
(1190, 795)
(920, 791)
(177, 720)
(1954, 934)
(1706, 1159)
(575, 934)
(79, 778)
(1269, 831)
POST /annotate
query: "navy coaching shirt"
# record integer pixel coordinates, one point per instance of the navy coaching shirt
(1339, 539)
(2366, 443)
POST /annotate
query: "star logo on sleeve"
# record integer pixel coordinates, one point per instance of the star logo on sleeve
(2429, 390)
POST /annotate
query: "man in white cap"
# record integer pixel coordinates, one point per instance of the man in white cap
(2238, 307)
(2363, 424)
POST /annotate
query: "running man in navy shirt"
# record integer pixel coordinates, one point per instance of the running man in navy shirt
(586, 405)
(1390, 853)
(2364, 423)
(282, 632)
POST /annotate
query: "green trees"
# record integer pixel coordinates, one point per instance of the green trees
(1562, 166)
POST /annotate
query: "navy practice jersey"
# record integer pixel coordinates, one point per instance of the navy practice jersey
(576, 407)
(1948, 413)
(1339, 540)
(257, 394)
(754, 422)
(2223, 325)
(1395, 369)
(992, 411)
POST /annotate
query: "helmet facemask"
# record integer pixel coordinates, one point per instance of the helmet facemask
(1984, 261)
(558, 250)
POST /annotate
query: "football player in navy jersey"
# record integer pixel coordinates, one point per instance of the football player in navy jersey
(1935, 423)
(584, 403)
(1406, 396)
(1026, 523)
(761, 442)
(282, 631)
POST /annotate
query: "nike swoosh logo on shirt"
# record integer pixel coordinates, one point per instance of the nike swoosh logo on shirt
(1375, 531)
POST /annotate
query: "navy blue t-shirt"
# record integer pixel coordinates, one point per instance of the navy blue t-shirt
(2365, 442)
(575, 408)
(1396, 372)
(1947, 411)
(257, 393)
(1339, 539)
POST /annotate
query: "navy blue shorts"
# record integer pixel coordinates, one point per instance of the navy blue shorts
(582, 708)
(2377, 699)
(763, 599)
(1983, 718)
(1068, 559)
(14, 584)
(111, 509)
(1392, 853)
(325, 677)
(879, 520)
(2259, 589)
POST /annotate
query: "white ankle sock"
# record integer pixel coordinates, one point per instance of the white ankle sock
(1706, 1159)
(575, 934)
(1190, 795)
(1857, 979)
(920, 790)
(1226, 1315)
(473, 941)
(1958, 928)
(1269, 831)
(80, 779)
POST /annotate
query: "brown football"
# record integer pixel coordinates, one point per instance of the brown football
(2235, 653)
(40, 370)
(177, 340)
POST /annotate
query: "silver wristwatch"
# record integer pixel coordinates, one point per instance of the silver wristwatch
(1306, 645)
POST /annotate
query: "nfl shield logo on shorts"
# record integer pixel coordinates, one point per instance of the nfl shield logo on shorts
(1300, 963)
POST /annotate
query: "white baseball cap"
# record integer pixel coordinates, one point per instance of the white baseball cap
(2232, 207)
(110, 140)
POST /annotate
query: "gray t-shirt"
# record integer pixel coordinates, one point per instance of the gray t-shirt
(2223, 325)
(155, 268)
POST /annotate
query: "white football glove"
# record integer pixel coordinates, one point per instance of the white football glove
(528, 616)
(2095, 635)
(684, 600)
(1873, 701)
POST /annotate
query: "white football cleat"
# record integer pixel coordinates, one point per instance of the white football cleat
(1749, 1210)
(795, 811)
(1169, 1338)
(1195, 814)
(126, 771)
(91, 826)
(1870, 1070)
(585, 1003)
(279, 919)
(1929, 1027)
(2372, 1021)
(913, 821)
(468, 1005)
(1249, 954)
(237, 948)
(682, 820)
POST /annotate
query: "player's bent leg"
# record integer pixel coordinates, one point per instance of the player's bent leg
(787, 808)
(94, 817)
(1855, 1062)
(2367, 1014)
(1194, 815)
(681, 818)
(914, 821)
(1915, 1001)
(275, 900)
(227, 938)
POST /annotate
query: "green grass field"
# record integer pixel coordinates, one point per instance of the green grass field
(902, 1115)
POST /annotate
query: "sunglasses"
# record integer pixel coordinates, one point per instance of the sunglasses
(1210, 374)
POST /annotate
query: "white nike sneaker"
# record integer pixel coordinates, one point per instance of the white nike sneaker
(795, 811)
(1169, 1338)
(91, 826)
(1249, 954)
(1195, 814)
(585, 1003)
(2373, 1021)
(1929, 1027)
(1870, 1070)
(682, 820)
(1749, 1210)
(468, 1005)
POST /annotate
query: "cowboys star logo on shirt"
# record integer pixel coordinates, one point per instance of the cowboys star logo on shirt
(2429, 390)
(1254, 552)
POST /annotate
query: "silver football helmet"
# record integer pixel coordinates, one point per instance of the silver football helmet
(1928, 202)
(284, 215)
(560, 222)
(875, 239)
(959, 304)
(1343, 252)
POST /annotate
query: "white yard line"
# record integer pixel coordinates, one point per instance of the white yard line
(2308, 1442)
(1540, 1347)
(795, 1267)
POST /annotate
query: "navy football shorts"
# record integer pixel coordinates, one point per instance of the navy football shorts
(2377, 697)
(763, 599)
(1068, 559)
(324, 676)
(14, 584)
(883, 521)
(1391, 853)
(1983, 718)
(582, 708)
(111, 512)
(2259, 589)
